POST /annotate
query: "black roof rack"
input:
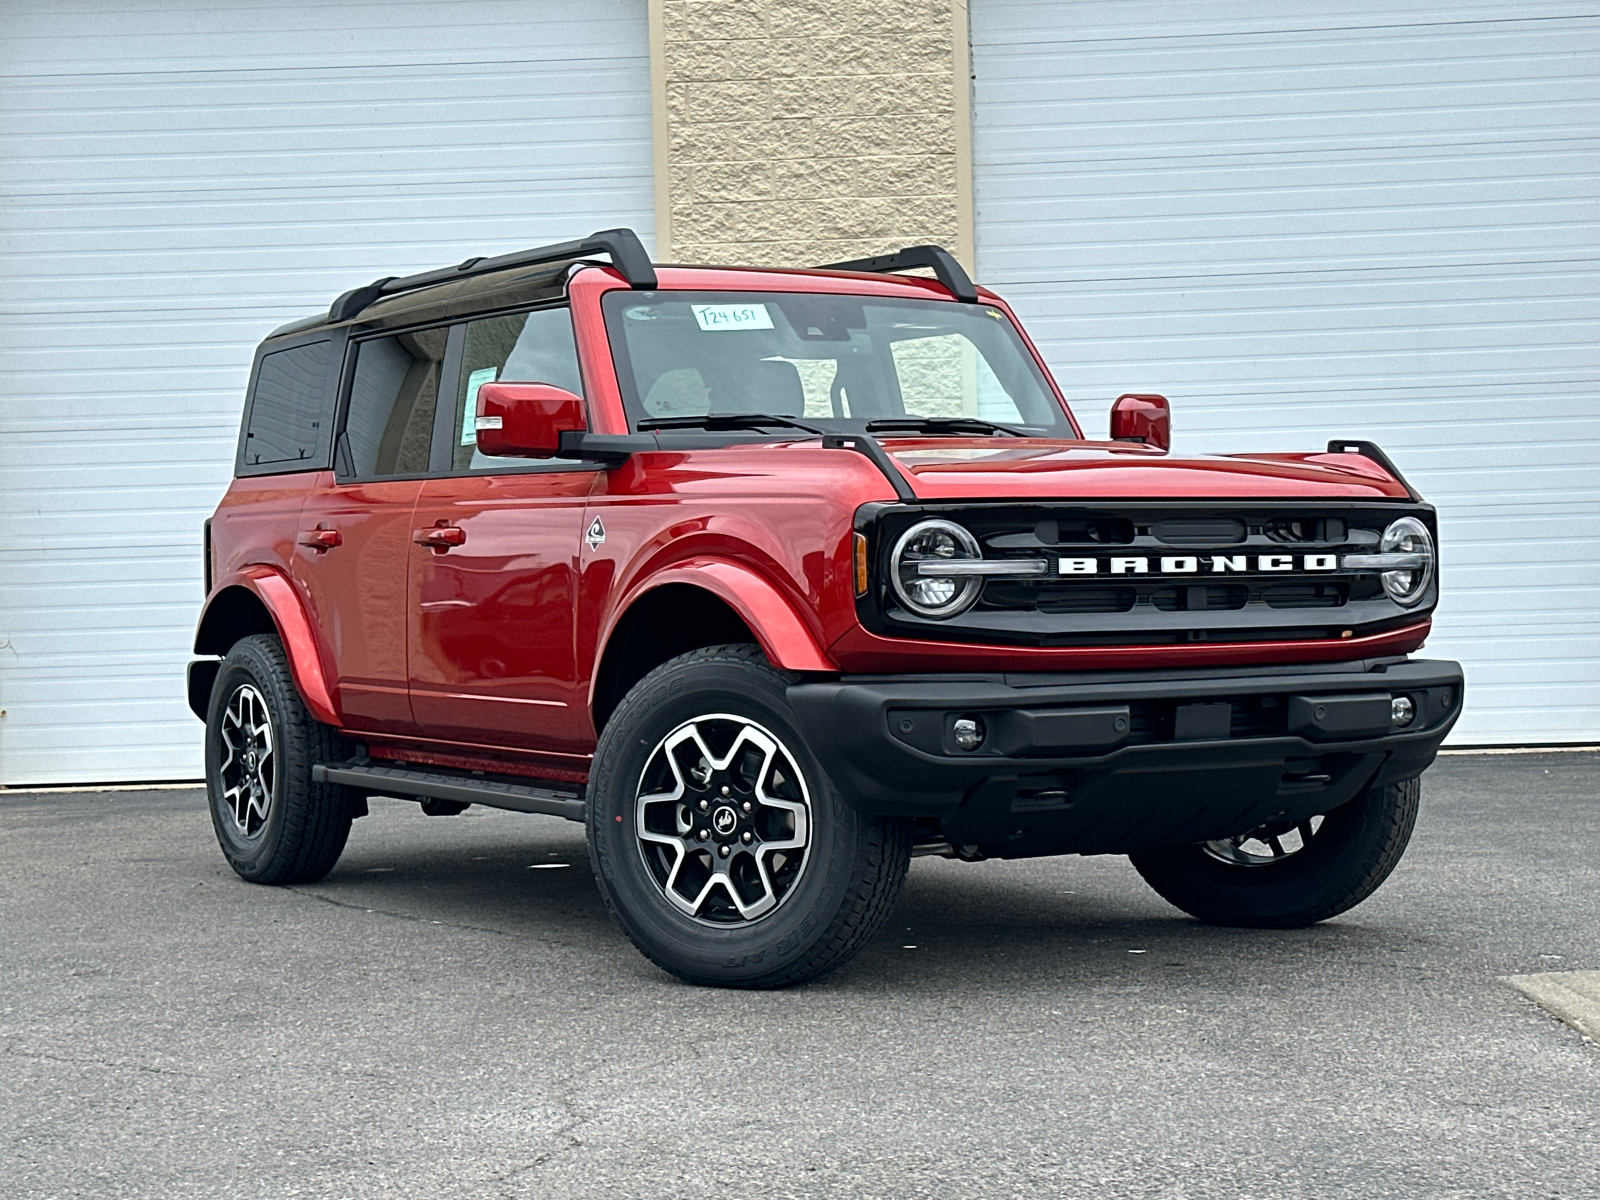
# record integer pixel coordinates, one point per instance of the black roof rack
(944, 264)
(627, 253)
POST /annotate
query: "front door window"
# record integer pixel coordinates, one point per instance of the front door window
(533, 347)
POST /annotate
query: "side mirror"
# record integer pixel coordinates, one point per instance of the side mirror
(526, 420)
(1146, 419)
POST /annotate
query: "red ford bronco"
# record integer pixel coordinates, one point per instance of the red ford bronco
(775, 579)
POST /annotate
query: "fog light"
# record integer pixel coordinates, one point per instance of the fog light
(968, 732)
(1402, 712)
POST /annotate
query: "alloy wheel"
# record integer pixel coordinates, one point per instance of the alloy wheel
(249, 766)
(1267, 845)
(723, 819)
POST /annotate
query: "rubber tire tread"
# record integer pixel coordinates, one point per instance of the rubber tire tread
(884, 851)
(314, 818)
(1328, 877)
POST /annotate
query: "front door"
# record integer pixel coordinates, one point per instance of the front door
(494, 596)
(355, 541)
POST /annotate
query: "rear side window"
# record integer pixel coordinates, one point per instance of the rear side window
(393, 396)
(290, 413)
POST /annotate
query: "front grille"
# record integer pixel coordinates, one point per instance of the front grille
(1221, 559)
(1157, 573)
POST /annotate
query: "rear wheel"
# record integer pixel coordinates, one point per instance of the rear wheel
(273, 823)
(719, 843)
(1294, 874)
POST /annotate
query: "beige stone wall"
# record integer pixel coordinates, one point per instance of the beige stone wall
(797, 132)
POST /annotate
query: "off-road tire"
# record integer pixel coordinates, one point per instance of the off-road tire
(306, 823)
(1354, 850)
(842, 897)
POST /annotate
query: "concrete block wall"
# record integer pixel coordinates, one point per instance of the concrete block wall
(797, 132)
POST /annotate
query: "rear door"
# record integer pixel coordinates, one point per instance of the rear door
(356, 529)
(494, 599)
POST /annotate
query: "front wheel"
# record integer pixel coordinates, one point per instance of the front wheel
(1291, 875)
(719, 843)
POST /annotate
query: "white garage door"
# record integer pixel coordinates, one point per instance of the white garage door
(176, 180)
(1314, 220)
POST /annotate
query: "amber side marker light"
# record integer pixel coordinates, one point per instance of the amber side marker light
(860, 547)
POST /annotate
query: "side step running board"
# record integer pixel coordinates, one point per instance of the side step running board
(411, 785)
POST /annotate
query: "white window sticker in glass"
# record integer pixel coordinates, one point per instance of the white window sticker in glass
(469, 412)
(712, 317)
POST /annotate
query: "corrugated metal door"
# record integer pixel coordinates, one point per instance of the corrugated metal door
(176, 181)
(1303, 221)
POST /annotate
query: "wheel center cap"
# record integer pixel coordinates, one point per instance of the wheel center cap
(724, 820)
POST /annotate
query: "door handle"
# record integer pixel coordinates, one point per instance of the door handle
(440, 537)
(321, 539)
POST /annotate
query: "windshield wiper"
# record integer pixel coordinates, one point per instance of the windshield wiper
(941, 425)
(727, 421)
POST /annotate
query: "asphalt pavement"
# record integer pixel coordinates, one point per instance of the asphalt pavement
(451, 1014)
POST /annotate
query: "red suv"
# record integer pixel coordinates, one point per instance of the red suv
(776, 579)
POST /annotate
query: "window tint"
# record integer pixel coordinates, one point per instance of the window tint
(392, 400)
(535, 347)
(290, 411)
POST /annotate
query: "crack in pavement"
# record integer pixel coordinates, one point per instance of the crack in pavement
(578, 1117)
(102, 1062)
(400, 916)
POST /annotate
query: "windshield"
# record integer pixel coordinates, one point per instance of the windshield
(833, 361)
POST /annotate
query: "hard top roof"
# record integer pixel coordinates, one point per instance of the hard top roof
(527, 276)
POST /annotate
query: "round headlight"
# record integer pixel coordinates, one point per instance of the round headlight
(914, 569)
(1408, 536)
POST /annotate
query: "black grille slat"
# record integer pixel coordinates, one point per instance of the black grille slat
(1305, 595)
(1325, 531)
(1092, 531)
(1200, 597)
(1200, 531)
(1087, 600)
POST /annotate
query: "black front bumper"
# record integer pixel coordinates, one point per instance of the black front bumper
(1098, 763)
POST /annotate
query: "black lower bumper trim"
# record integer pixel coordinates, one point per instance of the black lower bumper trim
(1117, 763)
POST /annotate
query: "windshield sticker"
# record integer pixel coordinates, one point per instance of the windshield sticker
(712, 317)
(469, 411)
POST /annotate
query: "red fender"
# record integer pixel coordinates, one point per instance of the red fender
(783, 634)
(297, 633)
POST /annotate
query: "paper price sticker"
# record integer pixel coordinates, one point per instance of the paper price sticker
(469, 411)
(712, 317)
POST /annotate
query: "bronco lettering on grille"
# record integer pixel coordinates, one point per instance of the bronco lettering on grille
(1198, 564)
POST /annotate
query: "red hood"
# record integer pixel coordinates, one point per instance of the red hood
(973, 468)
